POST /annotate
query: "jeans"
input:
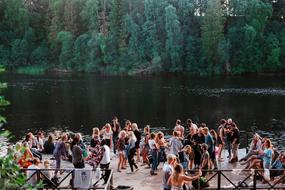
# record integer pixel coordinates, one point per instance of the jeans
(154, 154)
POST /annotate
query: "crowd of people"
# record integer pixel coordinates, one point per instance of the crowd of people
(193, 147)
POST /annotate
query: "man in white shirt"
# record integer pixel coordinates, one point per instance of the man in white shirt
(105, 162)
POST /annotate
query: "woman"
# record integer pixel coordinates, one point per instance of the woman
(49, 145)
(188, 157)
(108, 135)
(96, 152)
(154, 153)
(77, 154)
(178, 179)
(132, 150)
(160, 141)
(268, 154)
(138, 137)
(27, 156)
(128, 125)
(95, 137)
(145, 147)
(255, 147)
(221, 139)
(120, 146)
(59, 151)
(213, 156)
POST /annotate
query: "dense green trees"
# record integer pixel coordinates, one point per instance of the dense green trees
(134, 36)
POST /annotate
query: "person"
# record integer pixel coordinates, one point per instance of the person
(128, 125)
(255, 147)
(116, 128)
(77, 154)
(154, 153)
(105, 162)
(120, 146)
(188, 157)
(191, 125)
(191, 138)
(167, 170)
(31, 141)
(95, 137)
(210, 143)
(138, 140)
(199, 140)
(205, 160)
(31, 172)
(39, 141)
(178, 179)
(59, 152)
(268, 154)
(46, 174)
(49, 145)
(221, 139)
(145, 146)
(215, 136)
(26, 157)
(161, 143)
(235, 142)
(107, 135)
(132, 150)
(277, 166)
(229, 136)
(175, 144)
(180, 128)
(96, 151)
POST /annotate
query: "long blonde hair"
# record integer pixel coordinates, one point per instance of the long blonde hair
(178, 170)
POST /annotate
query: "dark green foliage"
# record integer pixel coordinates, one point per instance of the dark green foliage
(143, 36)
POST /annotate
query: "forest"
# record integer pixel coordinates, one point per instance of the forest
(200, 37)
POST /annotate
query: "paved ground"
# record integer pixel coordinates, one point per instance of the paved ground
(142, 179)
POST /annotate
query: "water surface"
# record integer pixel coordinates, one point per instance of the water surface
(81, 102)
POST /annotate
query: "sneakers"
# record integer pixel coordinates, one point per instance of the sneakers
(153, 173)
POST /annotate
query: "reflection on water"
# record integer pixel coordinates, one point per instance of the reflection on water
(81, 102)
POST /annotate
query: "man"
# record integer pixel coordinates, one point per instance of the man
(32, 170)
(235, 142)
(167, 170)
(116, 127)
(205, 161)
(175, 144)
(191, 125)
(210, 143)
(106, 159)
(179, 128)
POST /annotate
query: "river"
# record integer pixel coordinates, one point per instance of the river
(83, 101)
